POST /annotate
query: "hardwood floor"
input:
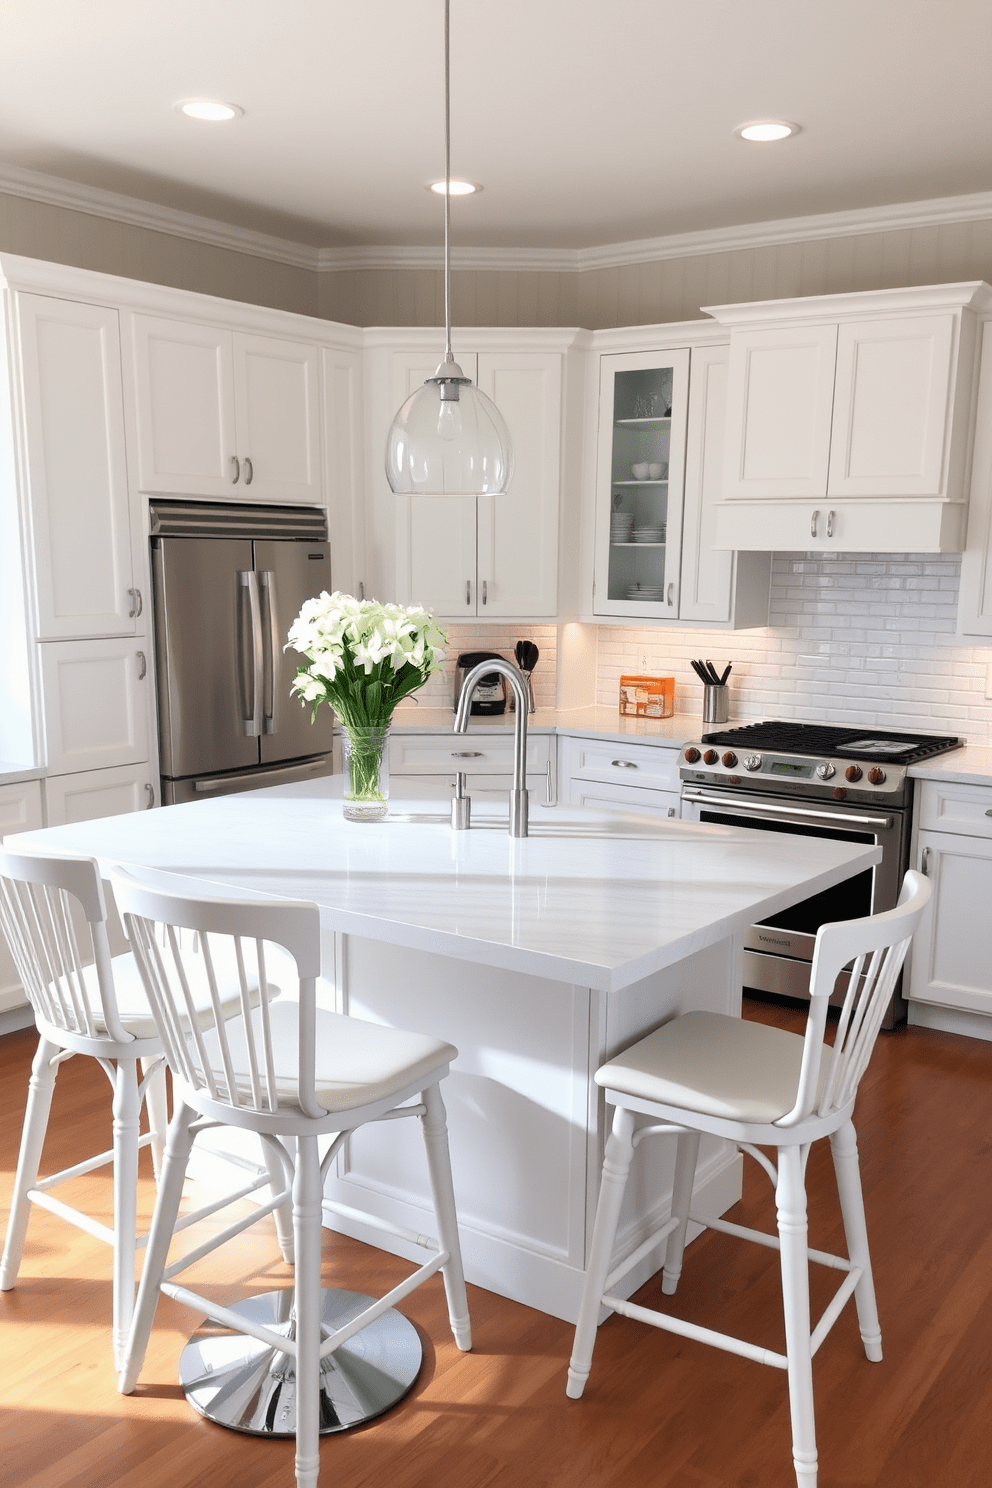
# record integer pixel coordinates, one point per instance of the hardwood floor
(658, 1410)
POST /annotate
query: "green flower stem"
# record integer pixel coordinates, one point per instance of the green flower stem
(365, 756)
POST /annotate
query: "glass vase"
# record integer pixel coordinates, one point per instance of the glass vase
(366, 773)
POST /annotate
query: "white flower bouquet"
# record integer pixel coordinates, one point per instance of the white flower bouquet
(363, 658)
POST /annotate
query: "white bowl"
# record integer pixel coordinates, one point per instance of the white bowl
(640, 470)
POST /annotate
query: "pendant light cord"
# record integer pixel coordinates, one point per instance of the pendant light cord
(448, 357)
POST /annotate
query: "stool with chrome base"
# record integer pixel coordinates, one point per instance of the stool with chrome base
(292, 1073)
(88, 1002)
(758, 1086)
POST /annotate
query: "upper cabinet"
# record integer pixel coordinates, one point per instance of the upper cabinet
(848, 421)
(474, 556)
(76, 470)
(659, 473)
(224, 413)
(975, 601)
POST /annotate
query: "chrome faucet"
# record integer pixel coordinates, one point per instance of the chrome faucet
(461, 810)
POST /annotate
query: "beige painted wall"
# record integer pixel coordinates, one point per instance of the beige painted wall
(85, 241)
(637, 294)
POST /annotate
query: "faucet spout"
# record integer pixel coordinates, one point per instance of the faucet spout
(518, 793)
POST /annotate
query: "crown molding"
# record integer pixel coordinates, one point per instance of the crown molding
(901, 216)
(54, 191)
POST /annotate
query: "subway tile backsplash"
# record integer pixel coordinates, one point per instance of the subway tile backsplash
(439, 691)
(852, 638)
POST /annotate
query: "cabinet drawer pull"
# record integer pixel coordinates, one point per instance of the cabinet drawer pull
(142, 666)
(624, 764)
(671, 594)
(485, 591)
(830, 524)
(813, 521)
(466, 754)
(135, 609)
(249, 471)
(151, 795)
(468, 591)
(989, 811)
(925, 862)
(236, 463)
(361, 589)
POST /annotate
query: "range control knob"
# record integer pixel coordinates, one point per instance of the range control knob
(753, 762)
(730, 759)
(852, 773)
(825, 771)
(840, 792)
(876, 775)
(710, 757)
(691, 755)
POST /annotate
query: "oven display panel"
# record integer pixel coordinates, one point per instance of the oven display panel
(788, 767)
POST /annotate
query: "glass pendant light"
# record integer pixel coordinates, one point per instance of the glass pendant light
(448, 439)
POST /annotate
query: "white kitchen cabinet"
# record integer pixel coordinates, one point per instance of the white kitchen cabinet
(467, 556)
(96, 702)
(951, 970)
(92, 793)
(341, 395)
(693, 581)
(423, 766)
(20, 811)
(76, 469)
(633, 777)
(848, 421)
(225, 413)
(975, 597)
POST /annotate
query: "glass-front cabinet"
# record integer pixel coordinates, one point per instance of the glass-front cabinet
(643, 401)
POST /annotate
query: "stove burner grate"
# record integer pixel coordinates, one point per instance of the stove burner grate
(788, 737)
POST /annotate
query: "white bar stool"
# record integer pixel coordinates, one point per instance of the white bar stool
(759, 1086)
(292, 1073)
(86, 1001)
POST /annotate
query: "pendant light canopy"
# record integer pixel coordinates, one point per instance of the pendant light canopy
(448, 439)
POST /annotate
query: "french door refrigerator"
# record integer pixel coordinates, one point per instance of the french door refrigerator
(228, 581)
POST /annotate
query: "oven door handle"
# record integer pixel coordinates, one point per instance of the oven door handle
(739, 804)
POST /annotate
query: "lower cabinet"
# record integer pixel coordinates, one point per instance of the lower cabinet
(20, 811)
(97, 702)
(423, 766)
(951, 972)
(629, 777)
(93, 793)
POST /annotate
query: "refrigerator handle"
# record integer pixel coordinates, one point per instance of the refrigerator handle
(273, 659)
(251, 721)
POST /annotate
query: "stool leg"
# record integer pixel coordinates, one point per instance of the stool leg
(616, 1166)
(307, 1196)
(170, 1191)
(790, 1198)
(157, 1106)
(844, 1150)
(126, 1114)
(41, 1087)
(435, 1129)
(685, 1175)
(284, 1215)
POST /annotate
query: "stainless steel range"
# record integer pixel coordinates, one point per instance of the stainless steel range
(813, 780)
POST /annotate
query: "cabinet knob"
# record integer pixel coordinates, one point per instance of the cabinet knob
(250, 473)
(236, 467)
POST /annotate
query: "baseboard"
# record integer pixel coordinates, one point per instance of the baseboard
(950, 1020)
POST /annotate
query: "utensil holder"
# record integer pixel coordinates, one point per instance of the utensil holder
(716, 704)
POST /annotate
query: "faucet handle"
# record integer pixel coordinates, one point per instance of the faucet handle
(461, 805)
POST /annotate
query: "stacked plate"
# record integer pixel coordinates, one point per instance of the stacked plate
(649, 534)
(621, 526)
(649, 593)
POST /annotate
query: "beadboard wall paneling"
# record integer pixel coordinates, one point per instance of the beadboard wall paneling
(855, 638)
(87, 241)
(439, 691)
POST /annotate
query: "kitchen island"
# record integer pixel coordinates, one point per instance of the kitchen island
(538, 957)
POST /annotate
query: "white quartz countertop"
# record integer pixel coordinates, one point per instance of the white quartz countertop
(592, 898)
(971, 765)
(11, 774)
(606, 723)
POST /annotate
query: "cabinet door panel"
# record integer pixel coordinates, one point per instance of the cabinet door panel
(342, 412)
(94, 793)
(891, 406)
(185, 407)
(96, 703)
(950, 963)
(707, 572)
(277, 409)
(77, 469)
(518, 530)
(779, 399)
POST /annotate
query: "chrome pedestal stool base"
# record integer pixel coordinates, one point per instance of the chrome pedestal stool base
(243, 1384)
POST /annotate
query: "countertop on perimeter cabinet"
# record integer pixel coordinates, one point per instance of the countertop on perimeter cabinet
(971, 765)
(605, 723)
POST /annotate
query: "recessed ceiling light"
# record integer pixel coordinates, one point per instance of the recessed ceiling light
(764, 131)
(457, 188)
(209, 109)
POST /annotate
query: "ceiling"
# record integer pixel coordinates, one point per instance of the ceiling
(588, 121)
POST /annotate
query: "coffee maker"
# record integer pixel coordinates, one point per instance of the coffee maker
(489, 698)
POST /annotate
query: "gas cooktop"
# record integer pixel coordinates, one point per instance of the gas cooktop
(788, 737)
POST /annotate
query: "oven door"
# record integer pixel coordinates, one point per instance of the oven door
(778, 952)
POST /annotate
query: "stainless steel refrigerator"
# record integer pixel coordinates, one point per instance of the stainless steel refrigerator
(228, 582)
